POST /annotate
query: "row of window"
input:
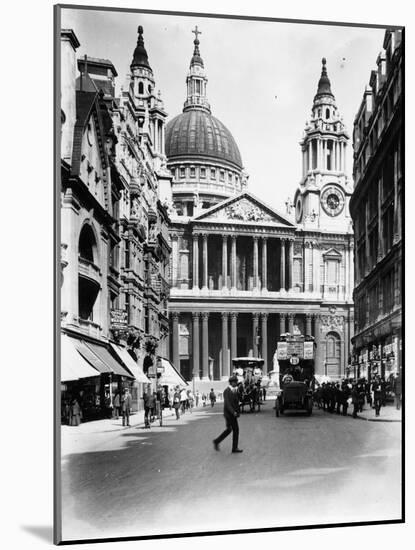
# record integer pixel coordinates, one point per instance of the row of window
(205, 173)
(379, 300)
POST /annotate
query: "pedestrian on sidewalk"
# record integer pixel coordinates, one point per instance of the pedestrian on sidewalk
(117, 404)
(377, 388)
(126, 407)
(355, 400)
(212, 397)
(397, 390)
(147, 398)
(183, 400)
(75, 413)
(204, 399)
(231, 414)
(107, 405)
(190, 400)
(176, 402)
(197, 397)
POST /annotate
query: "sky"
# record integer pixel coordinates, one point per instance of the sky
(262, 78)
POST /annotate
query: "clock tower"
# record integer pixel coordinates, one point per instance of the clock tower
(322, 199)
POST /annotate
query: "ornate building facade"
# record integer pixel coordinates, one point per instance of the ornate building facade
(376, 208)
(114, 229)
(241, 272)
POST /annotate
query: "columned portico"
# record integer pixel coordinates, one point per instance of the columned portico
(205, 346)
(225, 361)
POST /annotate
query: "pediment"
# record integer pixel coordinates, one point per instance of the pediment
(333, 254)
(244, 208)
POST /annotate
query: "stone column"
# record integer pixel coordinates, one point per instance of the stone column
(196, 261)
(205, 345)
(290, 264)
(346, 343)
(234, 341)
(264, 340)
(282, 265)
(224, 261)
(205, 261)
(255, 253)
(225, 362)
(264, 264)
(319, 366)
(175, 258)
(283, 317)
(308, 324)
(196, 348)
(310, 165)
(233, 262)
(291, 323)
(255, 318)
(176, 336)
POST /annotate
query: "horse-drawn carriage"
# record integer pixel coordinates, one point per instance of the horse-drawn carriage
(249, 373)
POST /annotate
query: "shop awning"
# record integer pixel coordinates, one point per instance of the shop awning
(129, 362)
(170, 376)
(91, 357)
(73, 365)
(105, 356)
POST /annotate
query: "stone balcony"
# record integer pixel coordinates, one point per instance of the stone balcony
(89, 270)
(90, 328)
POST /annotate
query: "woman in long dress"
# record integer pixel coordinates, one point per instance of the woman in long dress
(75, 415)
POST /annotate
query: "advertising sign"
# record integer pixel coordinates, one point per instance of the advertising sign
(119, 318)
(282, 350)
(294, 360)
(295, 347)
(308, 350)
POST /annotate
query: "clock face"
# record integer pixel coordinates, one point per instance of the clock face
(298, 209)
(332, 200)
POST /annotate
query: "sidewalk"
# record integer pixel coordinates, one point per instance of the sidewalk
(101, 434)
(389, 413)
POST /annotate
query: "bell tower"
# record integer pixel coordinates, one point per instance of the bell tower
(196, 80)
(322, 199)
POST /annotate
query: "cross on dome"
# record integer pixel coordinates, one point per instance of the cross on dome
(196, 32)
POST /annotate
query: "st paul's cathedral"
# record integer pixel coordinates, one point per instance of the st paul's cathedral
(243, 273)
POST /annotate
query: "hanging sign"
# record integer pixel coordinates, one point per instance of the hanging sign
(308, 350)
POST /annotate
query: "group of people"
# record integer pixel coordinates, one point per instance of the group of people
(119, 405)
(337, 396)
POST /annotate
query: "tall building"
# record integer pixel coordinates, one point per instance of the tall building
(376, 208)
(243, 273)
(114, 227)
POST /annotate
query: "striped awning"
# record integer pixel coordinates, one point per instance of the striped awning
(129, 362)
(73, 365)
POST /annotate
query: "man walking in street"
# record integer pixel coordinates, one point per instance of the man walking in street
(212, 397)
(231, 413)
(126, 407)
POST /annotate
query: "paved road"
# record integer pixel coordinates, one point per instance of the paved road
(295, 470)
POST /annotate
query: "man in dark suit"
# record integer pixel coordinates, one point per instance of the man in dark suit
(231, 413)
(126, 407)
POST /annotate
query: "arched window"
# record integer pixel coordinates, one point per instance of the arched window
(327, 113)
(333, 355)
(140, 88)
(87, 243)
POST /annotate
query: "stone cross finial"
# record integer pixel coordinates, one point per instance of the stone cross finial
(196, 31)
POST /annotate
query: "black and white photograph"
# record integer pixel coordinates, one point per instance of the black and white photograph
(230, 224)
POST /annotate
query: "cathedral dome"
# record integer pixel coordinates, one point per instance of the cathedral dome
(197, 133)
